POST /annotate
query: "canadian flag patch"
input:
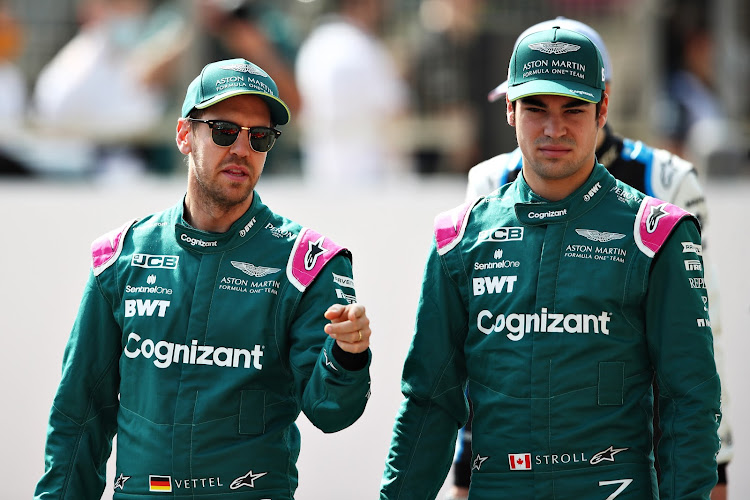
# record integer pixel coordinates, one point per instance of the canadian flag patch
(520, 461)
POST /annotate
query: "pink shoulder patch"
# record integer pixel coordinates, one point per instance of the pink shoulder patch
(106, 248)
(310, 253)
(654, 223)
(449, 227)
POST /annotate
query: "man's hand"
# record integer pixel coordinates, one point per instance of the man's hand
(350, 326)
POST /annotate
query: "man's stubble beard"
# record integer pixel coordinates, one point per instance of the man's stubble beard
(213, 194)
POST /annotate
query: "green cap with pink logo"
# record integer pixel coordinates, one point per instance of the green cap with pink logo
(556, 62)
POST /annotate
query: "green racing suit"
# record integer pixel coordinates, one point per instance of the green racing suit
(199, 350)
(555, 317)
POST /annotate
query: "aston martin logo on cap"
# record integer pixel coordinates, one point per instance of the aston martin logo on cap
(246, 68)
(554, 47)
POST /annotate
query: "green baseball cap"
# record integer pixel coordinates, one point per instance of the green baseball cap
(224, 79)
(556, 62)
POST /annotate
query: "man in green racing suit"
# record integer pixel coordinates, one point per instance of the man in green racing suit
(201, 334)
(655, 172)
(556, 300)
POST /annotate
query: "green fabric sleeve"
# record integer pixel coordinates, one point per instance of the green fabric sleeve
(681, 346)
(332, 397)
(433, 383)
(83, 419)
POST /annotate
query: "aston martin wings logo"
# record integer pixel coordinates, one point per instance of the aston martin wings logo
(246, 68)
(600, 236)
(251, 270)
(554, 47)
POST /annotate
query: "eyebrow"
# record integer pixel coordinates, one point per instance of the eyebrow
(572, 103)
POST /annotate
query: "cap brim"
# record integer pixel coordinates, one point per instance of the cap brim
(498, 92)
(280, 113)
(554, 87)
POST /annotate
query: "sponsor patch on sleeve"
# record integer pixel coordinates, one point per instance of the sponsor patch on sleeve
(450, 226)
(310, 253)
(106, 248)
(655, 221)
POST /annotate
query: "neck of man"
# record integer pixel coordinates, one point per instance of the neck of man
(202, 213)
(557, 189)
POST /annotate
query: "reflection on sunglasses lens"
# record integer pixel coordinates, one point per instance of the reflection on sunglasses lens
(262, 141)
(225, 133)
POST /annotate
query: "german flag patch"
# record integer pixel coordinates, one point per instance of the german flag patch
(160, 483)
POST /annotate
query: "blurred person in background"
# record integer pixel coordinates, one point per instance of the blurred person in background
(106, 88)
(204, 330)
(652, 171)
(253, 30)
(689, 114)
(13, 98)
(352, 97)
(448, 77)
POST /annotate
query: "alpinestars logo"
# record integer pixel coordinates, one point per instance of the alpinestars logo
(657, 213)
(606, 455)
(247, 480)
(120, 481)
(253, 270)
(314, 250)
(478, 462)
(600, 236)
(554, 47)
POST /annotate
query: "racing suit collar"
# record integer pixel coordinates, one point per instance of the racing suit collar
(535, 211)
(240, 231)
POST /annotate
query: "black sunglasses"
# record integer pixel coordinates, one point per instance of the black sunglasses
(225, 133)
